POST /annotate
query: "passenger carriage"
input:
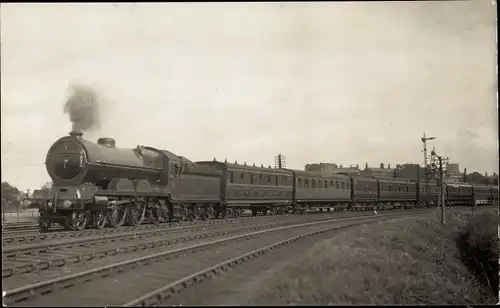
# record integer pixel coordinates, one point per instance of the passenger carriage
(397, 192)
(481, 194)
(322, 190)
(256, 188)
(458, 193)
(428, 193)
(364, 192)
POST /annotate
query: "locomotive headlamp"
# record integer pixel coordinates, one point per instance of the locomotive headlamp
(78, 195)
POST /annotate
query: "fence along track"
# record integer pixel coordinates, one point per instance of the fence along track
(36, 291)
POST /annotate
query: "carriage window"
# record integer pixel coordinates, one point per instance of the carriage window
(242, 175)
(343, 185)
(268, 180)
(277, 180)
(231, 174)
(348, 185)
(283, 180)
(251, 178)
(337, 184)
(326, 184)
(331, 183)
(389, 187)
(261, 176)
(313, 183)
(299, 182)
(407, 190)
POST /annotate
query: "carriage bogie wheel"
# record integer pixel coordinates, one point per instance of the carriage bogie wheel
(163, 214)
(194, 217)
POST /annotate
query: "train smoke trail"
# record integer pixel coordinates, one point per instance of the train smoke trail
(83, 107)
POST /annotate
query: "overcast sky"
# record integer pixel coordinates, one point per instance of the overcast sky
(338, 82)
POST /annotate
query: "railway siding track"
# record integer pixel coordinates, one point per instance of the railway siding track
(119, 277)
(31, 234)
(40, 257)
(14, 239)
(158, 296)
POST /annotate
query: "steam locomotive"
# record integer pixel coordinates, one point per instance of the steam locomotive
(98, 184)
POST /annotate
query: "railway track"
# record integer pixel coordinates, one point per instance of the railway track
(19, 226)
(115, 281)
(37, 258)
(34, 237)
(31, 233)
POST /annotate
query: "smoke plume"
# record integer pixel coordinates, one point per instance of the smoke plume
(83, 107)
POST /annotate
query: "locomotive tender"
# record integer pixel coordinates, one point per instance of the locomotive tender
(99, 184)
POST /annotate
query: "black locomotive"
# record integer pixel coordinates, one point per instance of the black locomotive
(98, 184)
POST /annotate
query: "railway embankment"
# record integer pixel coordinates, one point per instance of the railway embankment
(406, 261)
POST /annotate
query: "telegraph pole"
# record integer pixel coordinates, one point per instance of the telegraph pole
(441, 183)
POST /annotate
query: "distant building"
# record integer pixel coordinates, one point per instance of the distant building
(453, 174)
(348, 170)
(378, 172)
(453, 168)
(332, 168)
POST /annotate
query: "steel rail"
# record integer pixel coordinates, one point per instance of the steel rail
(45, 287)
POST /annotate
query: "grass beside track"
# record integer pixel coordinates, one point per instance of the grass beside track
(407, 261)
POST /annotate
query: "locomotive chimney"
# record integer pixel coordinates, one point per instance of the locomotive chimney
(76, 134)
(107, 142)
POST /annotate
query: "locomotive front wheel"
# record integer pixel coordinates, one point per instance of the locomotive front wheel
(116, 217)
(78, 221)
(100, 219)
(44, 222)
